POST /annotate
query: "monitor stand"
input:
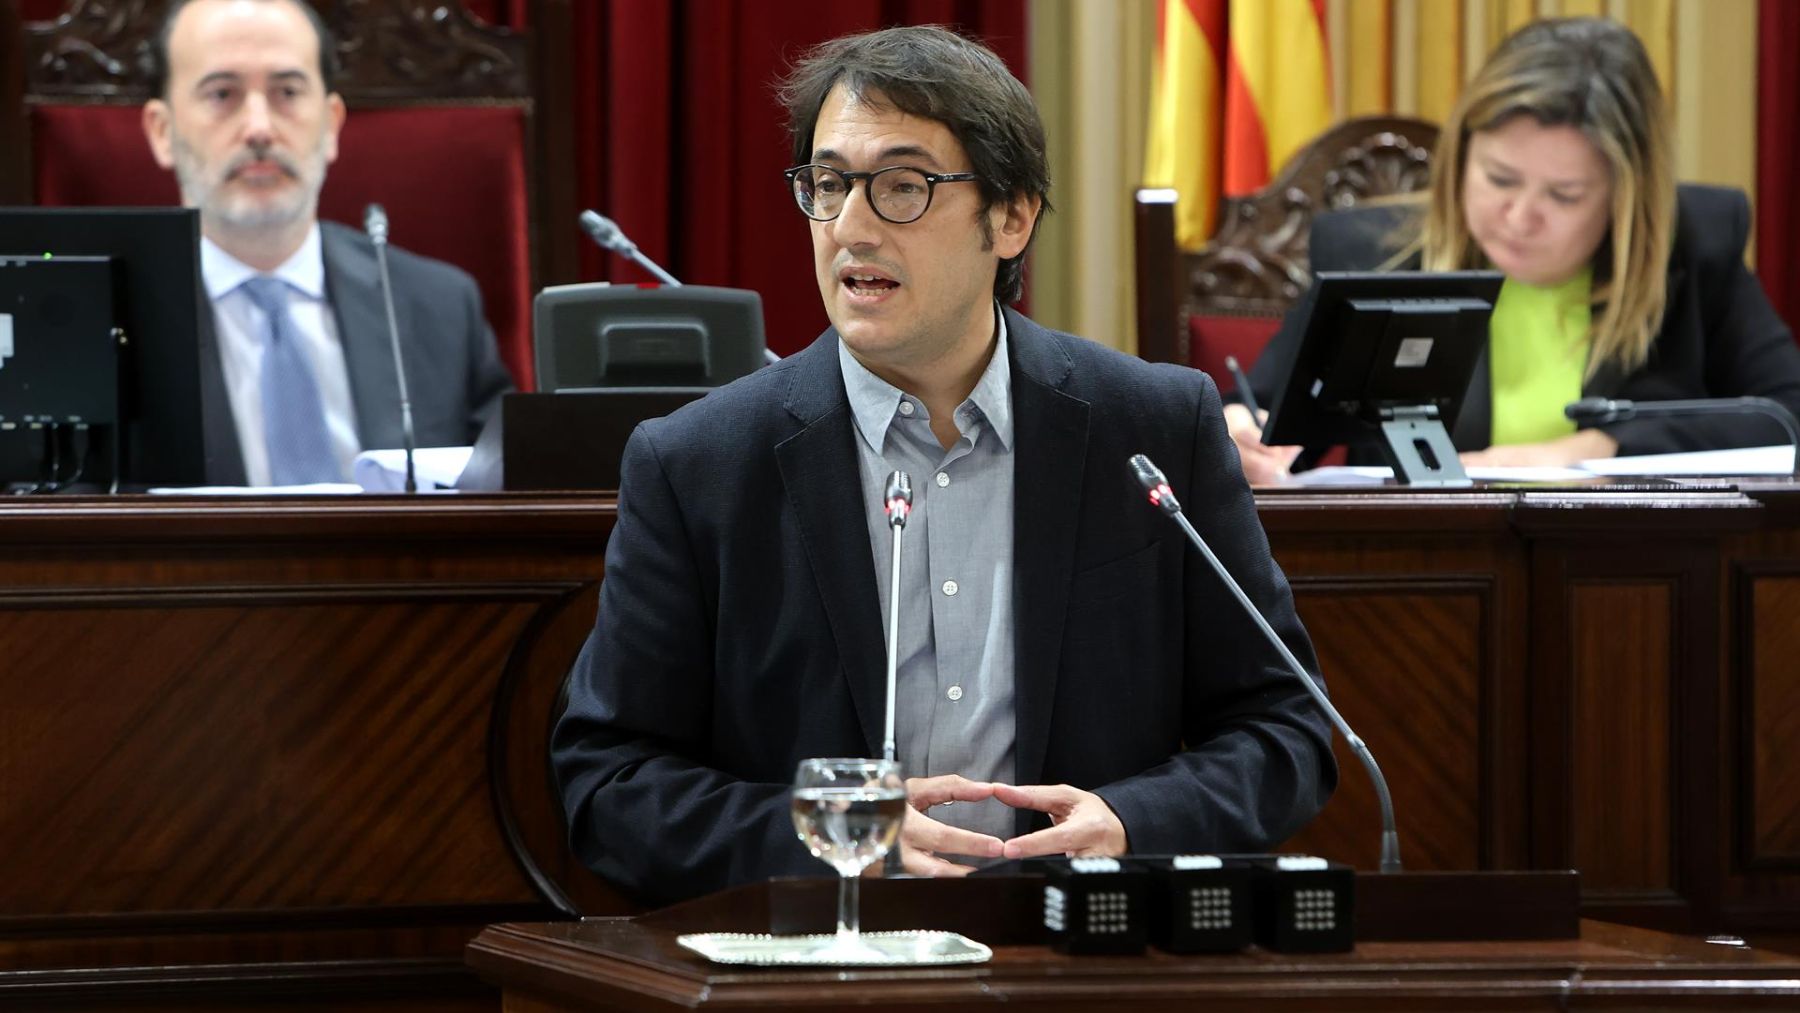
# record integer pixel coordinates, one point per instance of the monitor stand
(1419, 448)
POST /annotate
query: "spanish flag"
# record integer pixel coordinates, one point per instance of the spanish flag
(1240, 85)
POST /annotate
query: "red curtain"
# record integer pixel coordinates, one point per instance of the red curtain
(1778, 157)
(680, 139)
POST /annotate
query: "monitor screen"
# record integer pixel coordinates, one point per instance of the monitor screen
(1376, 345)
(597, 336)
(151, 260)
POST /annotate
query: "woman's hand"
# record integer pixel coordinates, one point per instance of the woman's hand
(1262, 465)
(1558, 453)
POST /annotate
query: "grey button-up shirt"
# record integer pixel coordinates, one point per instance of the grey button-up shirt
(954, 692)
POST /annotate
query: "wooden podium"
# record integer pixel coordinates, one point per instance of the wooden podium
(636, 963)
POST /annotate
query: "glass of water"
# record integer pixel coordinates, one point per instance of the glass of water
(848, 813)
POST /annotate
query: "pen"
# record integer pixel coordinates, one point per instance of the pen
(1243, 385)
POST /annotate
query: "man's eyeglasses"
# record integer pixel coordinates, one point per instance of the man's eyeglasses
(898, 193)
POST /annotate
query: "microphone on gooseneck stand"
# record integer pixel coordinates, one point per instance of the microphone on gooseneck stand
(375, 223)
(606, 232)
(898, 503)
(1163, 499)
(1600, 411)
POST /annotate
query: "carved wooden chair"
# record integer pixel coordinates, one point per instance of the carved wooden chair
(452, 126)
(1228, 298)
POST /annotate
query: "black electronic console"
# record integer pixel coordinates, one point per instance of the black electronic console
(99, 348)
(1304, 904)
(1195, 903)
(1386, 357)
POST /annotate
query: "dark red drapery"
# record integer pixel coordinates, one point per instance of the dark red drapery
(680, 139)
(1778, 157)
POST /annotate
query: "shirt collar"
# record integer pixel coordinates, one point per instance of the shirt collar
(875, 401)
(304, 271)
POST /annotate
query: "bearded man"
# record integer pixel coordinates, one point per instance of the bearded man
(297, 370)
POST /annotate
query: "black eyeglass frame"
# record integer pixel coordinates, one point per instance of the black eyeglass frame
(932, 179)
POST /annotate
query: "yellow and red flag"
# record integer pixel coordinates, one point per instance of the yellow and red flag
(1240, 85)
(1187, 100)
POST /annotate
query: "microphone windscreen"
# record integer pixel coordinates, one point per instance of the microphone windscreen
(899, 487)
(1595, 409)
(1148, 475)
(601, 228)
(375, 223)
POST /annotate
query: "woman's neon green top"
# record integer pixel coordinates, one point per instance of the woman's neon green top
(1537, 352)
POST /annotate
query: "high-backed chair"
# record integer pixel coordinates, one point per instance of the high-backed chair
(1228, 298)
(445, 130)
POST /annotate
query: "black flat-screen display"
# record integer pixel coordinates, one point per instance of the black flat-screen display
(1376, 343)
(156, 300)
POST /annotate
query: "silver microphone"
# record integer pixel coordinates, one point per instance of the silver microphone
(898, 503)
(375, 223)
(609, 236)
(1163, 498)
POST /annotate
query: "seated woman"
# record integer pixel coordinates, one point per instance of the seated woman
(1556, 169)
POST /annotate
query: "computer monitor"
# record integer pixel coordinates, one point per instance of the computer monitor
(69, 273)
(593, 336)
(1386, 357)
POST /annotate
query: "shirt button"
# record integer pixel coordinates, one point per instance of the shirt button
(943, 479)
(954, 693)
(906, 407)
(950, 587)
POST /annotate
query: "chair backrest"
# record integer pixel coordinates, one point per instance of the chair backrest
(1228, 297)
(443, 131)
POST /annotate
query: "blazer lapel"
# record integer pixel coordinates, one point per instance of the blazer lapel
(816, 463)
(352, 283)
(1049, 466)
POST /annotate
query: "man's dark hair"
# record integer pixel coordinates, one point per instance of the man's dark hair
(158, 55)
(931, 72)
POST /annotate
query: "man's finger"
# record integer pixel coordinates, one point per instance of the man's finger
(924, 833)
(1057, 840)
(920, 863)
(925, 792)
(1055, 799)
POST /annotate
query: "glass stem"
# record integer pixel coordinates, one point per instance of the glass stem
(849, 920)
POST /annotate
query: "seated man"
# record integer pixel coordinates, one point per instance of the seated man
(297, 366)
(1073, 678)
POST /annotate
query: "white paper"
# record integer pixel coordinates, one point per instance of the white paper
(315, 489)
(433, 468)
(1741, 461)
(1738, 461)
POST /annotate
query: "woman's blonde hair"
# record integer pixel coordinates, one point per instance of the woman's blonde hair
(1591, 74)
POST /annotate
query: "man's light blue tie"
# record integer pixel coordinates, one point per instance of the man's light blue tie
(293, 415)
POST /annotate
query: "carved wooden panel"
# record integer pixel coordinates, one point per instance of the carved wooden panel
(391, 51)
(1403, 665)
(266, 750)
(1621, 781)
(1256, 262)
(286, 750)
(1773, 711)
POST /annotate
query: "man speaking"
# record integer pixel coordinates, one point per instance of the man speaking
(1072, 679)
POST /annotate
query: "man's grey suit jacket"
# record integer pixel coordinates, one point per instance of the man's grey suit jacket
(453, 369)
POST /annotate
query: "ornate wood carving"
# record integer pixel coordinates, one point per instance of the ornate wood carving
(392, 52)
(1256, 263)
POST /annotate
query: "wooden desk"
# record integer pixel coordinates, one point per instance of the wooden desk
(621, 964)
(295, 748)
(1601, 680)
